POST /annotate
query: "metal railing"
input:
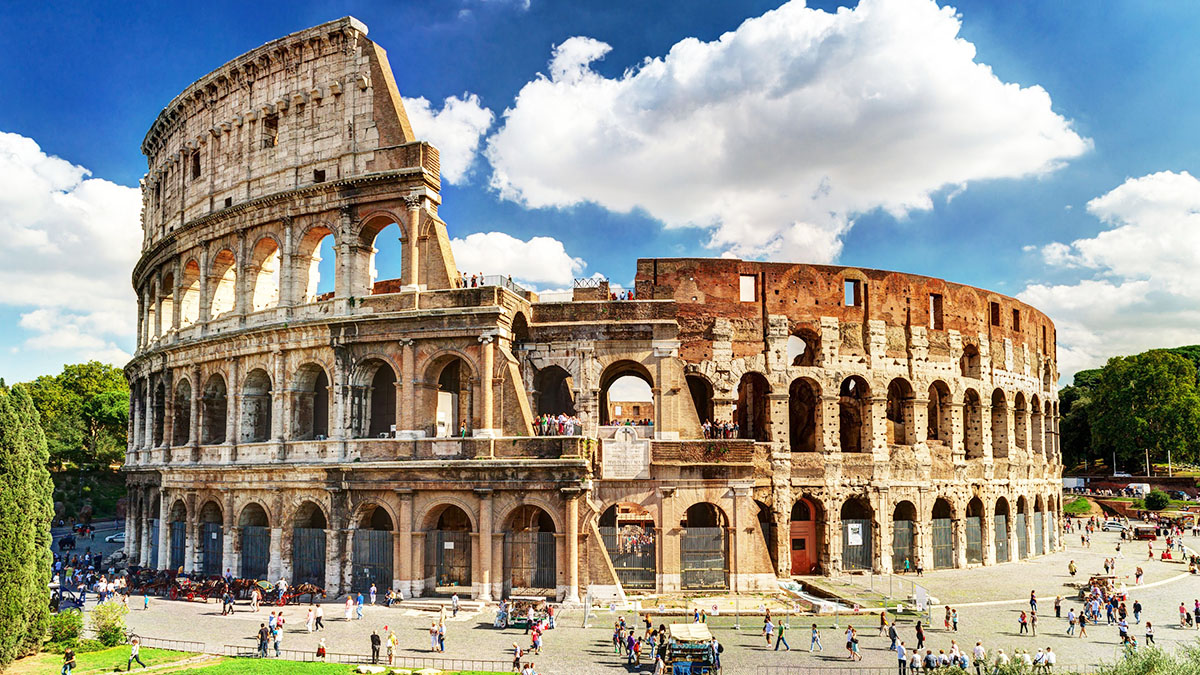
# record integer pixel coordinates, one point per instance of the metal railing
(590, 282)
(825, 670)
(310, 656)
(172, 645)
(491, 280)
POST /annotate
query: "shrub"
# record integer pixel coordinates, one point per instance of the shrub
(66, 625)
(108, 623)
(1157, 500)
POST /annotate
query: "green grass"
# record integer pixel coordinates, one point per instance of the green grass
(1077, 507)
(103, 661)
(274, 667)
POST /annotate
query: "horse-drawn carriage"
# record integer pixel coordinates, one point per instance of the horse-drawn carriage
(515, 611)
(273, 594)
(197, 589)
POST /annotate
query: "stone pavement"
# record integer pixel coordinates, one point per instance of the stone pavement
(573, 649)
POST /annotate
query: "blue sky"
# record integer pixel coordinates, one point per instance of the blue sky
(1093, 219)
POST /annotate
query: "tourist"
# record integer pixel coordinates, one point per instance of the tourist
(920, 635)
(979, 654)
(358, 606)
(900, 661)
(1071, 622)
(893, 635)
(882, 623)
(931, 661)
(135, 647)
(277, 636)
(454, 604)
(1022, 623)
(373, 592)
(375, 642)
(349, 608)
(1033, 601)
(392, 641)
(1082, 625)
(1050, 659)
(954, 620)
(815, 641)
(441, 636)
(914, 662)
(1137, 611)
(946, 620)
(768, 629)
(780, 640)
(1033, 622)
(309, 618)
(433, 636)
(1071, 566)
(1149, 633)
(263, 637)
(68, 661)
(517, 654)
(1058, 606)
(321, 650)
(320, 616)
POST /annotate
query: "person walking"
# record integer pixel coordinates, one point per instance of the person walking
(358, 606)
(392, 641)
(954, 620)
(815, 642)
(946, 620)
(309, 618)
(1023, 623)
(319, 615)
(893, 635)
(1033, 601)
(454, 604)
(349, 608)
(768, 629)
(1033, 623)
(1071, 622)
(277, 636)
(979, 655)
(1149, 633)
(900, 657)
(1058, 606)
(1082, 625)
(68, 661)
(1137, 611)
(375, 642)
(920, 636)
(264, 635)
(780, 640)
(373, 593)
(321, 650)
(433, 636)
(442, 636)
(135, 647)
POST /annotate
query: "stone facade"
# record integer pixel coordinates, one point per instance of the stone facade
(384, 432)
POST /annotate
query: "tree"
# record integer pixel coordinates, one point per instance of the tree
(1147, 402)
(25, 513)
(85, 412)
(1157, 500)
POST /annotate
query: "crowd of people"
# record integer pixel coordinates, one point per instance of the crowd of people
(557, 425)
(650, 642)
(720, 429)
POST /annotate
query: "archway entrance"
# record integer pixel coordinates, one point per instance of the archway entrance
(1039, 527)
(530, 553)
(311, 407)
(452, 410)
(308, 545)
(448, 552)
(805, 537)
(626, 394)
(753, 415)
(943, 534)
(1001, 532)
(181, 429)
(768, 529)
(256, 407)
(975, 532)
(854, 431)
(703, 548)
(804, 398)
(255, 539)
(904, 540)
(555, 391)
(702, 397)
(1022, 534)
(630, 538)
(177, 524)
(212, 537)
(373, 546)
(857, 534)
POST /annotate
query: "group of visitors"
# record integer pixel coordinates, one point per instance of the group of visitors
(391, 640)
(622, 296)
(720, 429)
(557, 425)
(652, 643)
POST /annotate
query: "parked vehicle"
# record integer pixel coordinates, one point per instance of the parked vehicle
(118, 538)
(1115, 526)
(1145, 532)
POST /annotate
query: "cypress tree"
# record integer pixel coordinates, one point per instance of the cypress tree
(26, 509)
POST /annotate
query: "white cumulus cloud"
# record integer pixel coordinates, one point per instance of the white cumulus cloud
(455, 130)
(776, 134)
(536, 263)
(71, 242)
(1137, 279)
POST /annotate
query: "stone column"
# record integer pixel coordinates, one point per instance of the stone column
(333, 562)
(233, 401)
(485, 548)
(572, 499)
(413, 240)
(498, 571)
(205, 291)
(279, 391)
(194, 420)
(192, 549)
(404, 545)
(486, 384)
(883, 515)
(987, 527)
(406, 392)
(959, 533)
(133, 526)
(275, 561)
(164, 531)
(418, 564)
(144, 539)
(150, 413)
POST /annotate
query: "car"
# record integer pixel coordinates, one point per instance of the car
(118, 538)
(1114, 526)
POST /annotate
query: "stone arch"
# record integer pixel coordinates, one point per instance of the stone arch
(451, 407)
(308, 261)
(254, 513)
(373, 397)
(520, 328)
(1001, 516)
(1048, 435)
(972, 424)
(854, 419)
(530, 550)
(256, 406)
(803, 347)
(189, 294)
(310, 411)
(942, 519)
(807, 530)
(752, 410)
(166, 301)
(372, 236)
(701, 391)
(904, 536)
(176, 530)
(969, 363)
(222, 291)
(526, 502)
(940, 414)
(858, 533)
(974, 530)
(373, 514)
(1036, 446)
(433, 512)
(704, 547)
(901, 412)
(308, 522)
(178, 512)
(554, 389)
(1020, 422)
(264, 272)
(804, 406)
(214, 410)
(999, 424)
(448, 524)
(310, 514)
(617, 371)
(181, 426)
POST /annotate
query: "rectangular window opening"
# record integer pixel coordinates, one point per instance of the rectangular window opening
(1043, 338)
(270, 131)
(995, 306)
(748, 288)
(228, 202)
(1016, 319)
(853, 293)
(935, 311)
(318, 175)
(195, 165)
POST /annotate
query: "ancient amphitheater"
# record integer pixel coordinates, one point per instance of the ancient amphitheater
(383, 432)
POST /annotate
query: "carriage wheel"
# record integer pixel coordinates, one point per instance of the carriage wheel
(174, 594)
(282, 601)
(191, 596)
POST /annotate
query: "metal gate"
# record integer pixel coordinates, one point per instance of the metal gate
(1022, 536)
(903, 545)
(153, 544)
(448, 557)
(530, 558)
(631, 549)
(372, 561)
(943, 543)
(1039, 531)
(1001, 537)
(702, 558)
(974, 540)
(256, 552)
(856, 544)
(178, 544)
(308, 556)
(214, 543)
(1053, 531)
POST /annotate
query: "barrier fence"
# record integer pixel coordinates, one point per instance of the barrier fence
(451, 664)
(172, 645)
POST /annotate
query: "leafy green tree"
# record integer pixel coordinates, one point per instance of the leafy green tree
(25, 512)
(1146, 402)
(85, 410)
(1157, 500)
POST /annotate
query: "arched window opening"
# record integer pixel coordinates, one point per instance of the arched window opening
(224, 284)
(753, 416)
(857, 534)
(972, 425)
(387, 258)
(530, 552)
(160, 414)
(1020, 422)
(702, 397)
(802, 348)
(453, 411)
(854, 430)
(939, 413)
(256, 407)
(804, 400)
(904, 541)
(555, 391)
(182, 424)
(1048, 428)
(630, 538)
(373, 400)
(975, 532)
(317, 264)
(1035, 426)
(166, 317)
(215, 411)
(520, 329)
(1000, 533)
(626, 394)
(189, 292)
(969, 363)
(448, 552)
(900, 412)
(264, 275)
(311, 408)
(999, 425)
(151, 325)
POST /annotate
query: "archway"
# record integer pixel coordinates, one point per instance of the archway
(223, 284)
(308, 545)
(386, 240)
(160, 414)
(166, 317)
(1035, 425)
(804, 400)
(631, 539)
(453, 410)
(255, 542)
(900, 412)
(702, 397)
(256, 407)
(943, 534)
(753, 413)
(972, 425)
(807, 536)
(1039, 526)
(625, 385)
(704, 548)
(316, 264)
(263, 274)
(372, 556)
(768, 530)
(212, 537)
(181, 428)
(857, 534)
(1001, 530)
(904, 539)
(1020, 422)
(448, 551)
(803, 347)
(1021, 526)
(555, 391)
(530, 552)
(189, 294)
(373, 400)
(969, 364)
(520, 329)
(215, 413)
(999, 424)
(975, 531)
(311, 403)
(177, 527)
(854, 429)
(940, 414)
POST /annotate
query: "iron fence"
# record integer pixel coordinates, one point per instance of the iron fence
(1039, 531)
(943, 543)
(1022, 537)
(1001, 537)
(154, 544)
(372, 560)
(256, 551)
(178, 544)
(531, 559)
(308, 556)
(214, 543)
(310, 656)
(702, 558)
(903, 544)
(632, 551)
(448, 557)
(974, 539)
(856, 544)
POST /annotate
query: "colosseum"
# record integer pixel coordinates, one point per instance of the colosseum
(385, 431)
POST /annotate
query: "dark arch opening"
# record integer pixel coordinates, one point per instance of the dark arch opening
(555, 389)
(375, 517)
(215, 412)
(753, 414)
(624, 374)
(853, 431)
(182, 427)
(900, 412)
(804, 399)
(312, 403)
(520, 329)
(703, 514)
(702, 397)
(256, 407)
